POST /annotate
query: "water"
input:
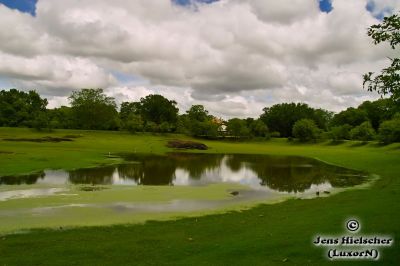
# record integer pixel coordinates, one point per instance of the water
(286, 174)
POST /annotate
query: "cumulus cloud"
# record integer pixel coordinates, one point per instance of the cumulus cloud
(235, 57)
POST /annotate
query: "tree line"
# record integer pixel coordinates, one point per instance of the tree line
(91, 109)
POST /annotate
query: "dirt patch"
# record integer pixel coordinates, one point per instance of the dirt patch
(44, 139)
(182, 144)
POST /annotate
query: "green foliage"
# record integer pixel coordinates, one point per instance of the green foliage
(389, 131)
(305, 130)
(18, 108)
(379, 111)
(197, 122)
(388, 81)
(351, 116)
(166, 127)
(237, 128)
(128, 109)
(41, 122)
(282, 117)
(340, 132)
(92, 109)
(363, 132)
(150, 126)
(198, 113)
(62, 117)
(133, 123)
(258, 128)
(158, 109)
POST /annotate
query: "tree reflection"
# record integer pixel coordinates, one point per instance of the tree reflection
(294, 174)
(21, 180)
(94, 176)
(286, 174)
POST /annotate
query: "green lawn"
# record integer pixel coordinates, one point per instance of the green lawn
(264, 235)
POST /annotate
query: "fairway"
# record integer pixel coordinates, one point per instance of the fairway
(254, 234)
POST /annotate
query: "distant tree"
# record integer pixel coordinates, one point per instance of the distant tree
(150, 126)
(198, 113)
(128, 109)
(158, 109)
(92, 109)
(388, 81)
(199, 123)
(379, 111)
(19, 109)
(305, 130)
(258, 128)
(237, 128)
(351, 116)
(363, 132)
(62, 117)
(340, 132)
(133, 123)
(389, 131)
(282, 117)
(166, 127)
(41, 122)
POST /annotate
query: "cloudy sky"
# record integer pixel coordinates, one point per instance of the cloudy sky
(233, 56)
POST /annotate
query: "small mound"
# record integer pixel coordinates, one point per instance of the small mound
(183, 144)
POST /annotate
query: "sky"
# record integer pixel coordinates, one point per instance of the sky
(233, 56)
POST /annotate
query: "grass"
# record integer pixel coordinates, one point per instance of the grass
(264, 235)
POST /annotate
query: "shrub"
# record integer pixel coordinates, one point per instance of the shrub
(389, 131)
(305, 130)
(340, 132)
(363, 132)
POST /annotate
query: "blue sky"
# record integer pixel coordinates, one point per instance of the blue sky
(27, 6)
(199, 57)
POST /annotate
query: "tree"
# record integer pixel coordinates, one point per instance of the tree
(258, 128)
(62, 117)
(237, 128)
(388, 81)
(379, 111)
(158, 109)
(351, 116)
(282, 117)
(198, 113)
(92, 109)
(305, 130)
(128, 109)
(363, 132)
(199, 123)
(340, 132)
(18, 108)
(133, 123)
(389, 131)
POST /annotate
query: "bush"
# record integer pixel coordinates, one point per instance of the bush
(134, 123)
(389, 131)
(340, 132)
(305, 130)
(275, 134)
(363, 132)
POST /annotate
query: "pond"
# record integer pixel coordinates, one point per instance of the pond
(288, 174)
(148, 186)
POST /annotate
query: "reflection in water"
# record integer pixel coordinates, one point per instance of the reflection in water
(277, 173)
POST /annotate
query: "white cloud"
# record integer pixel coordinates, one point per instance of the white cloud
(235, 57)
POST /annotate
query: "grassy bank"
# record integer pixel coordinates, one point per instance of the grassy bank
(265, 235)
